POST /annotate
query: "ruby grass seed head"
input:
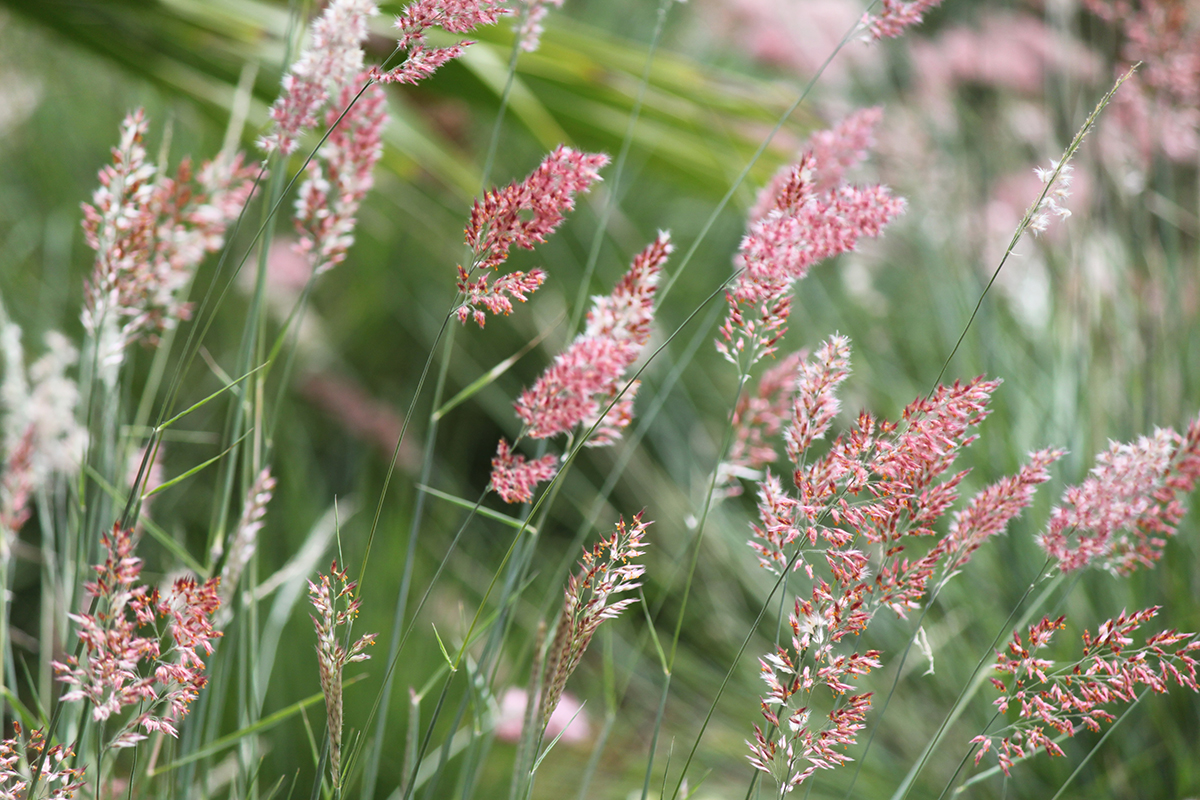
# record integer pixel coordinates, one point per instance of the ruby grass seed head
(607, 569)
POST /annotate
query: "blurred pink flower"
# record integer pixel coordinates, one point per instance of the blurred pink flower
(570, 719)
(895, 16)
(1007, 51)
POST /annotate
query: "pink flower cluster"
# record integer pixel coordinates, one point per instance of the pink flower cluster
(609, 568)
(758, 417)
(57, 779)
(523, 214)
(1120, 516)
(796, 749)
(110, 676)
(340, 175)
(796, 224)
(150, 232)
(529, 31)
(456, 16)
(1164, 37)
(1053, 697)
(895, 17)
(333, 57)
(585, 379)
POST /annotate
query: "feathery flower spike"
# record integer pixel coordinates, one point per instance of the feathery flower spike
(1122, 514)
(340, 176)
(758, 416)
(150, 233)
(607, 569)
(243, 542)
(521, 214)
(514, 478)
(57, 780)
(333, 598)
(1062, 697)
(895, 17)
(456, 16)
(334, 55)
(110, 676)
(1057, 192)
(529, 30)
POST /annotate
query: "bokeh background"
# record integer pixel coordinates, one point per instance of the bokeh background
(1092, 326)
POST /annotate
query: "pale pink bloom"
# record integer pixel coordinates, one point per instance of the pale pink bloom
(332, 58)
(56, 778)
(895, 17)
(514, 478)
(609, 568)
(569, 721)
(334, 598)
(758, 416)
(772, 33)
(340, 175)
(1060, 697)
(522, 214)
(243, 541)
(815, 403)
(1120, 516)
(529, 30)
(833, 151)
(800, 227)
(41, 435)
(111, 675)
(990, 511)
(456, 16)
(588, 375)
(150, 233)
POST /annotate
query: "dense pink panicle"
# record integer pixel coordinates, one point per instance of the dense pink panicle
(801, 227)
(456, 16)
(333, 57)
(1062, 697)
(815, 403)
(111, 675)
(895, 17)
(523, 214)
(990, 511)
(150, 231)
(589, 374)
(56, 778)
(514, 478)
(758, 417)
(1122, 514)
(529, 30)
(833, 151)
(340, 176)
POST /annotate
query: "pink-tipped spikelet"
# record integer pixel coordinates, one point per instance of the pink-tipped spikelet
(333, 597)
(456, 16)
(150, 232)
(1059, 697)
(529, 30)
(56, 779)
(111, 675)
(523, 214)
(758, 416)
(796, 224)
(333, 57)
(340, 175)
(1120, 517)
(514, 478)
(588, 375)
(895, 17)
(607, 569)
